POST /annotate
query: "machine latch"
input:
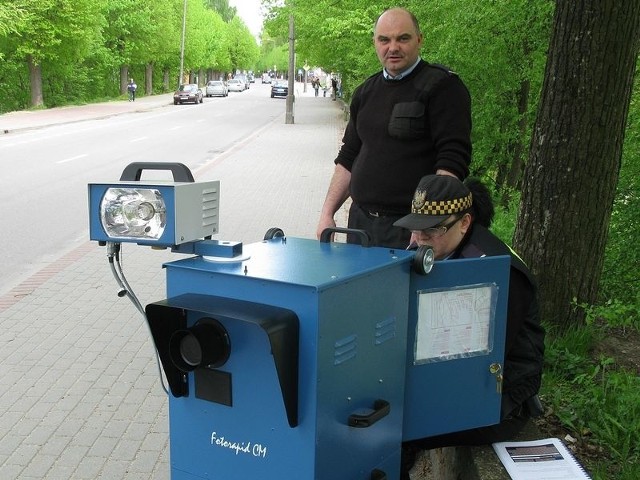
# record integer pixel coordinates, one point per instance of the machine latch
(496, 369)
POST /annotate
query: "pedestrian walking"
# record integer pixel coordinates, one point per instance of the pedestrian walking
(131, 88)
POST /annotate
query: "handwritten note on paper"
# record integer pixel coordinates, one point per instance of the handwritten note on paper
(454, 323)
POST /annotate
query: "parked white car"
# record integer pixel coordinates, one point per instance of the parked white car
(235, 85)
(216, 88)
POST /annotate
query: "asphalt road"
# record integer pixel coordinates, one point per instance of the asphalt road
(43, 187)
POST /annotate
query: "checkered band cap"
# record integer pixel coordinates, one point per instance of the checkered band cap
(435, 199)
(439, 207)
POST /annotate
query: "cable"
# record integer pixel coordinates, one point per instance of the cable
(113, 255)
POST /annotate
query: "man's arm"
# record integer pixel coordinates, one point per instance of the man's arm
(337, 194)
(450, 119)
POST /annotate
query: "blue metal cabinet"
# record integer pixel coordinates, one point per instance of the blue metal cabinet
(342, 420)
(330, 355)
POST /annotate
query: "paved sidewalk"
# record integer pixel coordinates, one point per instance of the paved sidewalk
(81, 396)
(30, 119)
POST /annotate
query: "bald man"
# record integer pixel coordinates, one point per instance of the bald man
(409, 120)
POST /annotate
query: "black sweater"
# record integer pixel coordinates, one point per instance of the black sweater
(401, 130)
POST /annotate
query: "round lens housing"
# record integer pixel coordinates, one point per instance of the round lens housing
(133, 213)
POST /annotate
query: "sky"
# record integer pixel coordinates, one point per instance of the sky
(249, 11)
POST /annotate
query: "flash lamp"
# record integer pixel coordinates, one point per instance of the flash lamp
(163, 214)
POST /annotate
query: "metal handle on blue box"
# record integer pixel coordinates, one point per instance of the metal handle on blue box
(365, 239)
(133, 171)
(381, 409)
(378, 475)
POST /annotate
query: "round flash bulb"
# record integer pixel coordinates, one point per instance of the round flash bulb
(133, 213)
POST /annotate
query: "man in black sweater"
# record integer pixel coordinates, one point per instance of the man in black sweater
(410, 120)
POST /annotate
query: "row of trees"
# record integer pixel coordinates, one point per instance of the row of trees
(553, 105)
(54, 52)
(551, 82)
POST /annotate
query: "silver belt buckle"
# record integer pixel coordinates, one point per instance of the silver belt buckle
(373, 214)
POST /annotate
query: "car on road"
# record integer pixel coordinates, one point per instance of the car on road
(216, 88)
(187, 92)
(235, 85)
(243, 78)
(279, 89)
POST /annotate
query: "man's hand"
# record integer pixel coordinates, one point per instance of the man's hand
(440, 171)
(323, 224)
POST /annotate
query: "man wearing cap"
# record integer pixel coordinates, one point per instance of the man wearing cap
(410, 120)
(454, 218)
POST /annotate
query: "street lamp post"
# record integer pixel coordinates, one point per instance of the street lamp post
(289, 116)
(184, 27)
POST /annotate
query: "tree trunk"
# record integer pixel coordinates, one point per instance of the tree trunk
(570, 179)
(517, 148)
(165, 80)
(35, 80)
(510, 173)
(124, 79)
(148, 79)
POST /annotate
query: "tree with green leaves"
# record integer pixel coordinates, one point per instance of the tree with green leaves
(243, 49)
(10, 16)
(574, 163)
(54, 32)
(226, 11)
(83, 50)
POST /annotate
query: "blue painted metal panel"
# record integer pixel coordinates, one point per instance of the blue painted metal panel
(351, 303)
(451, 394)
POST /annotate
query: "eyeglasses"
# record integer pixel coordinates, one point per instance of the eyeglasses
(440, 230)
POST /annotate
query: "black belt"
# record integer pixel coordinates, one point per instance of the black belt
(377, 213)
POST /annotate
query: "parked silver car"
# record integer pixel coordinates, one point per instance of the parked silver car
(235, 85)
(216, 88)
(243, 78)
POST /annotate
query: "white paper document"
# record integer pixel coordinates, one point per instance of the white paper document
(454, 323)
(547, 459)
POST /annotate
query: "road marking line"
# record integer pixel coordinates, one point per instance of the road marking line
(77, 157)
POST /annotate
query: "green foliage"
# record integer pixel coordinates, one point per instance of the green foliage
(621, 276)
(243, 50)
(10, 15)
(504, 222)
(81, 46)
(276, 55)
(595, 399)
(614, 313)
